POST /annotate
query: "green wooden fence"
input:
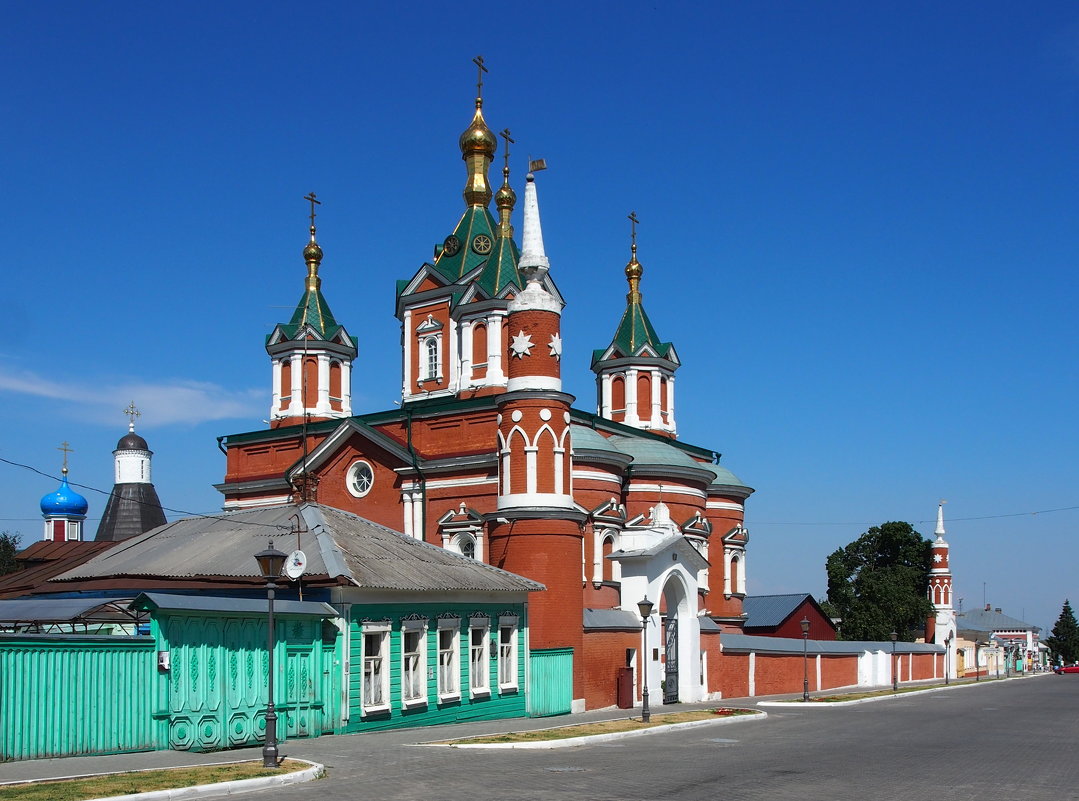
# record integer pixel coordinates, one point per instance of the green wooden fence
(550, 685)
(75, 694)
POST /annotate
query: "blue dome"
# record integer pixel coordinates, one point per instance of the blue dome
(65, 501)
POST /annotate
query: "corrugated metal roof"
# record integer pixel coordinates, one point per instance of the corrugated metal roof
(987, 620)
(61, 610)
(45, 559)
(770, 610)
(611, 619)
(337, 544)
(174, 602)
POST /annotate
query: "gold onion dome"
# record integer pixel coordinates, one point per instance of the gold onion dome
(477, 137)
(312, 254)
(634, 270)
(505, 196)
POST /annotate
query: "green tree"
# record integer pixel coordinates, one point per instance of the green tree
(9, 546)
(1064, 642)
(878, 584)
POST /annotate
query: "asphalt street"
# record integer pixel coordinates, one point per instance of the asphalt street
(999, 740)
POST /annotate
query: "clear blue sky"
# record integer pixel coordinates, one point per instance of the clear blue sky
(858, 226)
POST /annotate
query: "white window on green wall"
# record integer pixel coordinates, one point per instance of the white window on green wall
(414, 663)
(376, 669)
(507, 653)
(479, 656)
(449, 661)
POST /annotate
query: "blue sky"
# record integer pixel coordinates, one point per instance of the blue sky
(858, 227)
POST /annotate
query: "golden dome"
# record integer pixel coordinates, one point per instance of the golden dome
(505, 196)
(634, 270)
(477, 137)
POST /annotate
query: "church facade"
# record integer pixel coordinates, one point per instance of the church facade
(489, 457)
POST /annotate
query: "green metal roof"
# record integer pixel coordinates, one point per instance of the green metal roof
(313, 311)
(648, 451)
(725, 478)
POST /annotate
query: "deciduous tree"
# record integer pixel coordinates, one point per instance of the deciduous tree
(9, 546)
(877, 584)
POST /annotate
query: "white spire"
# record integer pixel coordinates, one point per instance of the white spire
(940, 519)
(533, 264)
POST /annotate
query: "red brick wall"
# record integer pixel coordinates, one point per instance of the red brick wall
(604, 654)
(836, 671)
(729, 674)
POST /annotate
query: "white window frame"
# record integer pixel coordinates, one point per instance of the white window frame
(350, 478)
(418, 628)
(381, 631)
(479, 653)
(449, 659)
(507, 653)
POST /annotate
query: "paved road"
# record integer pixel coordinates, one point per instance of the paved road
(1000, 740)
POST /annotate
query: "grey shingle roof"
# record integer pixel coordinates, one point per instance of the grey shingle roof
(987, 620)
(338, 544)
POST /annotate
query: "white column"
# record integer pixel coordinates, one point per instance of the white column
(417, 516)
(275, 402)
(480, 550)
(742, 572)
(346, 387)
(323, 404)
(406, 344)
(670, 402)
(530, 470)
(604, 409)
(632, 418)
(466, 353)
(406, 502)
(726, 571)
(453, 357)
(295, 406)
(494, 350)
(559, 469)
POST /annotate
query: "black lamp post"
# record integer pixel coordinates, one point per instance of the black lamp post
(947, 652)
(645, 607)
(895, 671)
(805, 658)
(270, 563)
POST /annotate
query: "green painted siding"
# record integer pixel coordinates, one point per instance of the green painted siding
(62, 695)
(550, 684)
(497, 704)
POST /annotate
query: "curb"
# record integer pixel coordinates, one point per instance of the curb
(569, 742)
(311, 773)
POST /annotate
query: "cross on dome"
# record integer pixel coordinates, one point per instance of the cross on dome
(132, 413)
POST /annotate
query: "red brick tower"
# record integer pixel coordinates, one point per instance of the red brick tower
(537, 530)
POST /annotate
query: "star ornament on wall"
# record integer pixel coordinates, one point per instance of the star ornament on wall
(938, 558)
(522, 345)
(556, 346)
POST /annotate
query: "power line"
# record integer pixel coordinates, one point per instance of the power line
(183, 512)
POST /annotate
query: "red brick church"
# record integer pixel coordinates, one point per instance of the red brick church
(487, 455)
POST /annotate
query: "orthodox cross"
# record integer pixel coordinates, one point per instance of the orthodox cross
(311, 197)
(132, 413)
(509, 141)
(633, 222)
(66, 448)
(478, 61)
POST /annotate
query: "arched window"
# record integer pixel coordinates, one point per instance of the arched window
(607, 564)
(309, 391)
(479, 345)
(618, 397)
(286, 382)
(644, 396)
(335, 385)
(465, 544)
(430, 348)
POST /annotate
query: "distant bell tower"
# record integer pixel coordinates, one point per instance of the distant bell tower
(941, 626)
(311, 354)
(64, 510)
(133, 507)
(635, 373)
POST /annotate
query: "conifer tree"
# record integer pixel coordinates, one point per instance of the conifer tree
(9, 546)
(1064, 642)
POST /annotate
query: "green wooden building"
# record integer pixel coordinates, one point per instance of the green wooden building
(381, 631)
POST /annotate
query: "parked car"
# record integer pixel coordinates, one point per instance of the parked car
(1060, 669)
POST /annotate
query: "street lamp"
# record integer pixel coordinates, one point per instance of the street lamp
(895, 672)
(270, 563)
(947, 651)
(805, 659)
(645, 607)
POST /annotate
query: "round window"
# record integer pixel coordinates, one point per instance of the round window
(361, 477)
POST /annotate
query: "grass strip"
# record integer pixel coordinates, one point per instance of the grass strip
(601, 727)
(142, 781)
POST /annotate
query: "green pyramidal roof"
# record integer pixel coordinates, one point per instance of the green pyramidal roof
(313, 311)
(634, 333)
(475, 243)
